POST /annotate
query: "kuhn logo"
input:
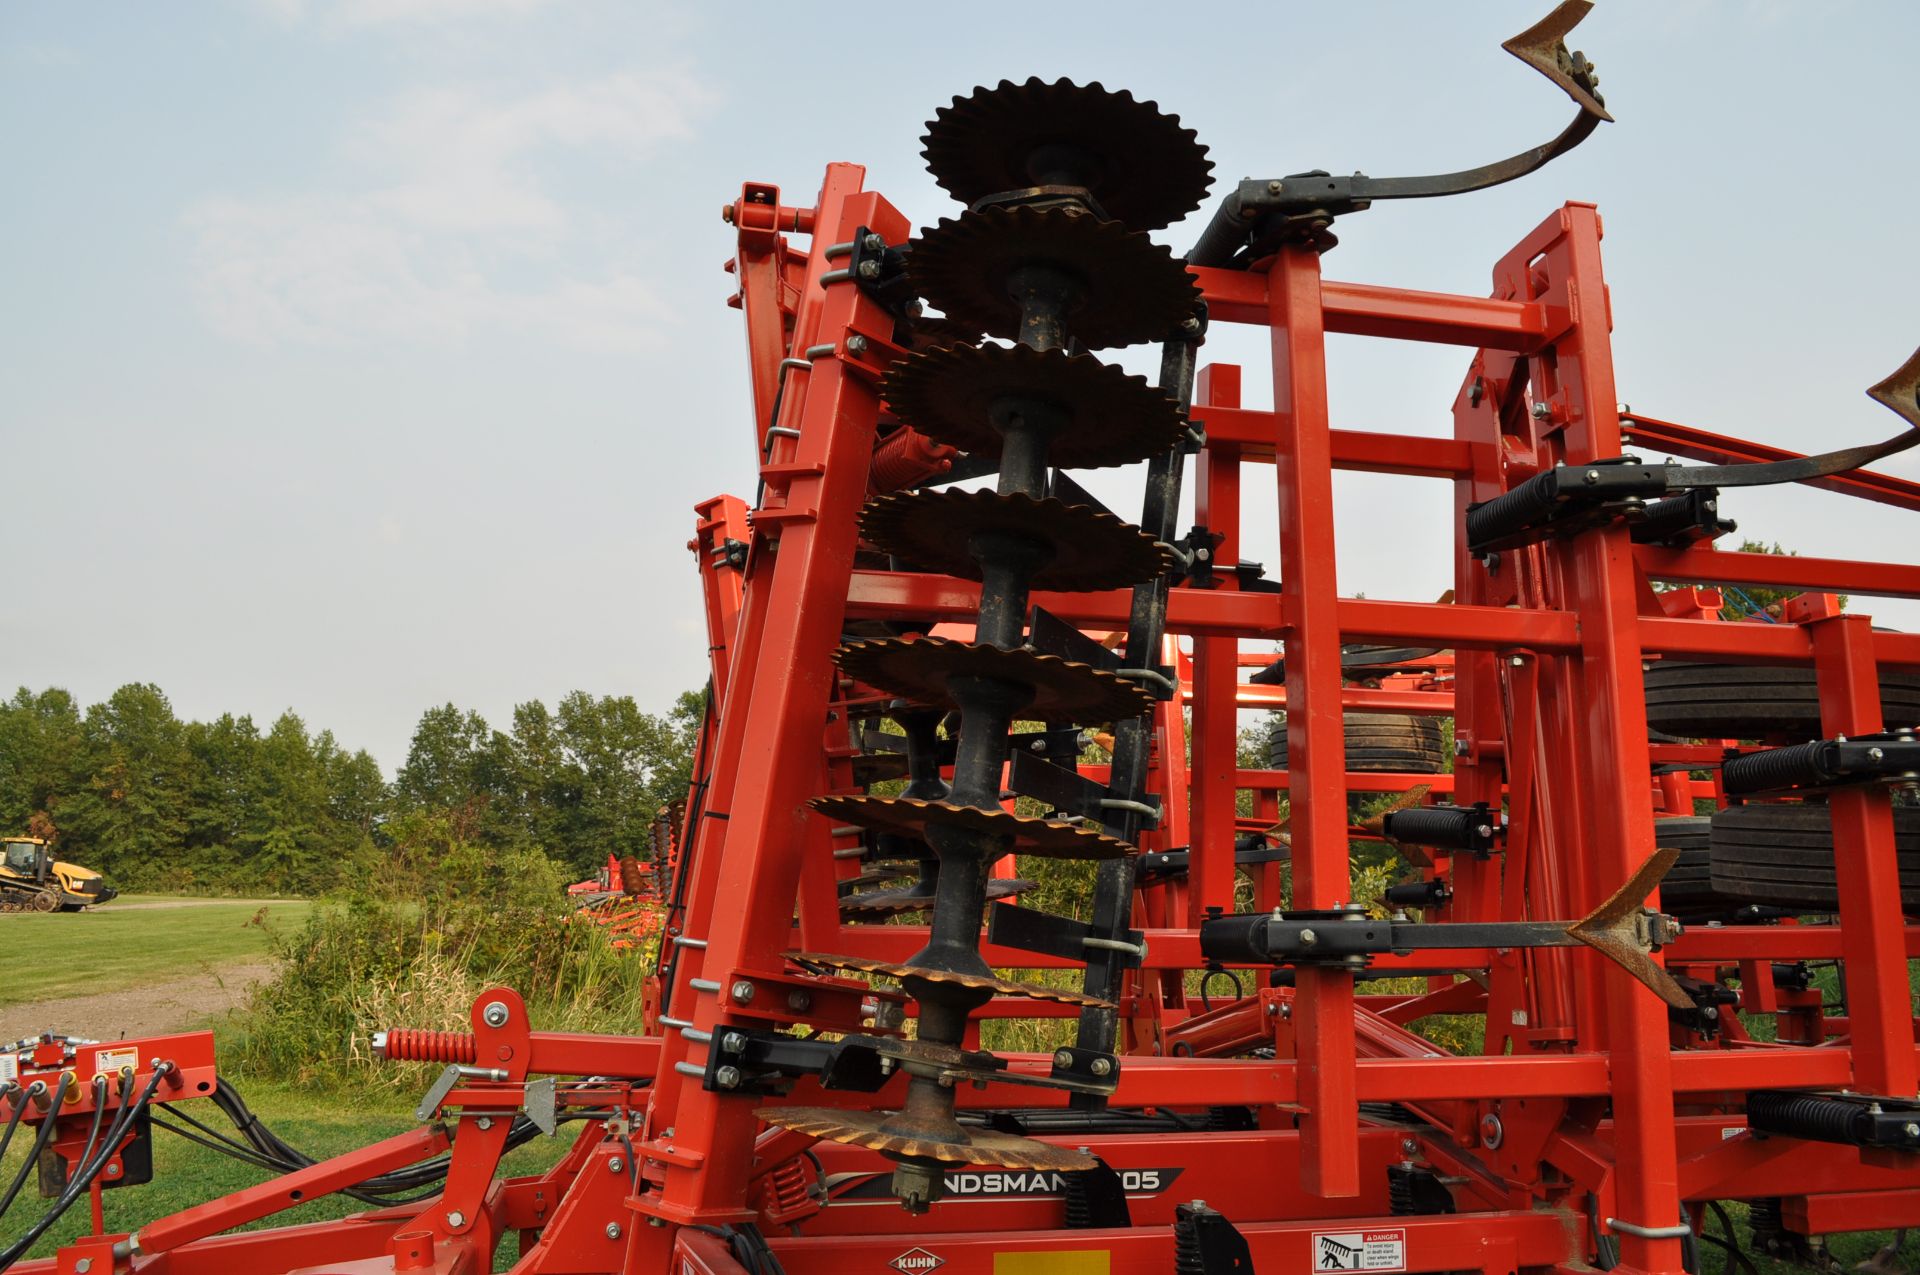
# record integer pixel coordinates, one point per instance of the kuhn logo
(917, 1260)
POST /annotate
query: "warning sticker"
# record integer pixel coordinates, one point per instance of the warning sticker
(1360, 1250)
(108, 1062)
(9, 1068)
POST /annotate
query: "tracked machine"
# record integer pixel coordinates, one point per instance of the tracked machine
(877, 1052)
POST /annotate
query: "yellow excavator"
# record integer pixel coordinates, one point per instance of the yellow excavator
(32, 880)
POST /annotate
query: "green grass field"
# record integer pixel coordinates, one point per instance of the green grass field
(117, 947)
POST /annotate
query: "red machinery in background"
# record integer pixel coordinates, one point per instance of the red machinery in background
(901, 675)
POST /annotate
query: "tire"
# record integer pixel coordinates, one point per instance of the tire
(46, 901)
(1395, 742)
(1747, 701)
(1782, 856)
(1687, 890)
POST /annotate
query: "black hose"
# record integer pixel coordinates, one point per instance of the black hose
(89, 1166)
(39, 1142)
(13, 1120)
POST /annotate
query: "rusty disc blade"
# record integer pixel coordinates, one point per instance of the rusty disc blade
(963, 395)
(1042, 838)
(876, 873)
(967, 1146)
(998, 986)
(1090, 548)
(900, 902)
(1138, 162)
(1063, 690)
(932, 331)
(1126, 288)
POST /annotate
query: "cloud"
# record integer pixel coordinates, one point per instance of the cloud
(442, 208)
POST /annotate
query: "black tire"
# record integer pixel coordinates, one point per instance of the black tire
(1687, 890)
(1395, 742)
(1782, 856)
(1746, 701)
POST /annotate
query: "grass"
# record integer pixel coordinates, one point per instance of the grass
(116, 948)
(185, 1174)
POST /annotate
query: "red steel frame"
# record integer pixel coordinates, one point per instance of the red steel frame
(1586, 1090)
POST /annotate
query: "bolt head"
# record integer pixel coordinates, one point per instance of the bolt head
(456, 1218)
(1308, 938)
(856, 344)
(616, 1164)
(799, 1000)
(1063, 1058)
(495, 1014)
(1518, 661)
(613, 1230)
(873, 242)
(484, 1123)
(869, 270)
(1409, 1147)
(1876, 754)
(733, 1043)
(1274, 188)
(727, 1077)
(1912, 1130)
(1101, 1067)
(1541, 411)
(742, 992)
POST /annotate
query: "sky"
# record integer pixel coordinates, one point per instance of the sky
(362, 356)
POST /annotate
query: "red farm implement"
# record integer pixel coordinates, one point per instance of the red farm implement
(903, 675)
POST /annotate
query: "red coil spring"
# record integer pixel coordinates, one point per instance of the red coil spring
(787, 1192)
(440, 1047)
(906, 457)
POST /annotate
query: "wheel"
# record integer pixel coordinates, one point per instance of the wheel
(1395, 742)
(1687, 890)
(1746, 701)
(1782, 856)
(46, 901)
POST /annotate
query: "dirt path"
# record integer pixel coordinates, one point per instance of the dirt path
(141, 1011)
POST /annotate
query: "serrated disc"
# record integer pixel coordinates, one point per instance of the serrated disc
(1064, 690)
(1139, 163)
(1089, 549)
(1041, 838)
(959, 395)
(965, 1146)
(1128, 288)
(998, 986)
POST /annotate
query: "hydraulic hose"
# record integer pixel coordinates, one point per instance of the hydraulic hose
(90, 1164)
(39, 1143)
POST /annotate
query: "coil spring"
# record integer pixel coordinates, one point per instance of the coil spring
(1512, 511)
(906, 457)
(1079, 1206)
(1400, 1201)
(1449, 826)
(442, 1047)
(1776, 768)
(1187, 1257)
(789, 1191)
(1804, 1116)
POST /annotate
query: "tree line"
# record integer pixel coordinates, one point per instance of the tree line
(159, 803)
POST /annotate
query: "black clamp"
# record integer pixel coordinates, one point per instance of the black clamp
(744, 1060)
(1090, 1067)
(1710, 1000)
(1420, 894)
(1197, 547)
(1683, 520)
(1889, 757)
(880, 270)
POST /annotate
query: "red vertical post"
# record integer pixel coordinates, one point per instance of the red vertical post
(1316, 736)
(1866, 868)
(1216, 670)
(1609, 736)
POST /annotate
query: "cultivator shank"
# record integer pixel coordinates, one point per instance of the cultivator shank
(1236, 1055)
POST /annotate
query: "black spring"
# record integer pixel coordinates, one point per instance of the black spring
(1452, 827)
(1074, 1191)
(1804, 1116)
(1187, 1257)
(1776, 768)
(1400, 1201)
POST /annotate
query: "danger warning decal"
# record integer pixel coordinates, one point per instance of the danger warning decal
(1360, 1250)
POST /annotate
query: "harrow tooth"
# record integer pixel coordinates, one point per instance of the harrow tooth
(1084, 549)
(1022, 834)
(1063, 690)
(1138, 164)
(1115, 285)
(960, 1145)
(1615, 930)
(1900, 392)
(1543, 47)
(975, 982)
(962, 396)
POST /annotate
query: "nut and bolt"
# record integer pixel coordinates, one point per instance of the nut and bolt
(456, 1219)
(1274, 188)
(495, 1014)
(1063, 1058)
(1518, 661)
(857, 344)
(873, 242)
(1101, 1067)
(1591, 476)
(483, 1123)
(733, 1043)
(869, 270)
(1876, 754)
(1409, 1147)
(1911, 1130)
(743, 992)
(616, 1164)
(1491, 1131)
(1541, 411)
(799, 1000)
(1308, 938)
(727, 1077)
(613, 1230)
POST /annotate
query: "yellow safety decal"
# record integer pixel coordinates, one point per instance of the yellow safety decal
(1073, 1261)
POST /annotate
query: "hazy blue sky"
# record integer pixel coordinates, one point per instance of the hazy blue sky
(360, 356)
